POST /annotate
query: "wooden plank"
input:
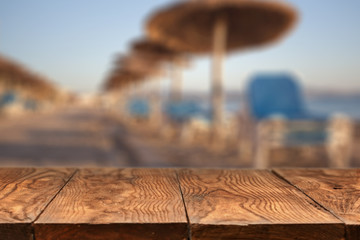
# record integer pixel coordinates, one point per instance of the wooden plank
(336, 190)
(246, 204)
(116, 204)
(24, 194)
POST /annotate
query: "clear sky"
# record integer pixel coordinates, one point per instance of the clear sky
(73, 42)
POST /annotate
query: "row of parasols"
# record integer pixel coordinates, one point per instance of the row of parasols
(197, 27)
(16, 78)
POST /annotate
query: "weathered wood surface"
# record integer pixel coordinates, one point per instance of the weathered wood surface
(147, 204)
(24, 194)
(116, 204)
(246, 204)
(336, 190)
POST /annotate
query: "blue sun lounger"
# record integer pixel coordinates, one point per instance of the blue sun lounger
(276, 108)
(7, 98)
(278, 94)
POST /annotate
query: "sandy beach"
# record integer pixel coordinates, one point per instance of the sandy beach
(164, 152)
(91, 137)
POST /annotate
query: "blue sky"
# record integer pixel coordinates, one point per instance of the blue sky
(73, 42)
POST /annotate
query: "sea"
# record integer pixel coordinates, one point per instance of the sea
(349, 105)
(319, 105)
(324, 105)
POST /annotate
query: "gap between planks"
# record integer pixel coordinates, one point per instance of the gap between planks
(318, 203)
(51, 200)
(183, 200)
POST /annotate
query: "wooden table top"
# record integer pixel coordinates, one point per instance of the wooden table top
(135, 203)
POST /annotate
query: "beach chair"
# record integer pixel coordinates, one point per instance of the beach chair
(183, 111)
(277, 117)
(8, 98)
(11, 104)
(31, 105)
(181, 117)
(138, 108)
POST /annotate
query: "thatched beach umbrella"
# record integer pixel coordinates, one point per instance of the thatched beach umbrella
(121, 79)
(140, 65)
(152, 49)
(150, 67)
(145, 66)
(130, 70)
(220, 26)
(162, 53)
(117, 86)
(14, 76)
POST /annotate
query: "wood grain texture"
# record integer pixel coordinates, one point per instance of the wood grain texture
(24, 194)
(120, 203)
(247, 204)
(336, 190)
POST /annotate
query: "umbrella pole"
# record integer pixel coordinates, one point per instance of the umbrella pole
(2, 88)
(176, 84)
(219, 47)
(156, 106)
(122, 102)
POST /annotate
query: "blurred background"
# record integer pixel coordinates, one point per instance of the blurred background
(165, 83)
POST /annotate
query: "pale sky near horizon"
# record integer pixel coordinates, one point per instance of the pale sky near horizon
(73, 42)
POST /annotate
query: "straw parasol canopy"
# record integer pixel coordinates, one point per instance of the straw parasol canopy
(189, 25)
(153, 49)
(162, 53)
(121, 79)
(14, 76)
(220, 26)
(130, 70)
(140, 64)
